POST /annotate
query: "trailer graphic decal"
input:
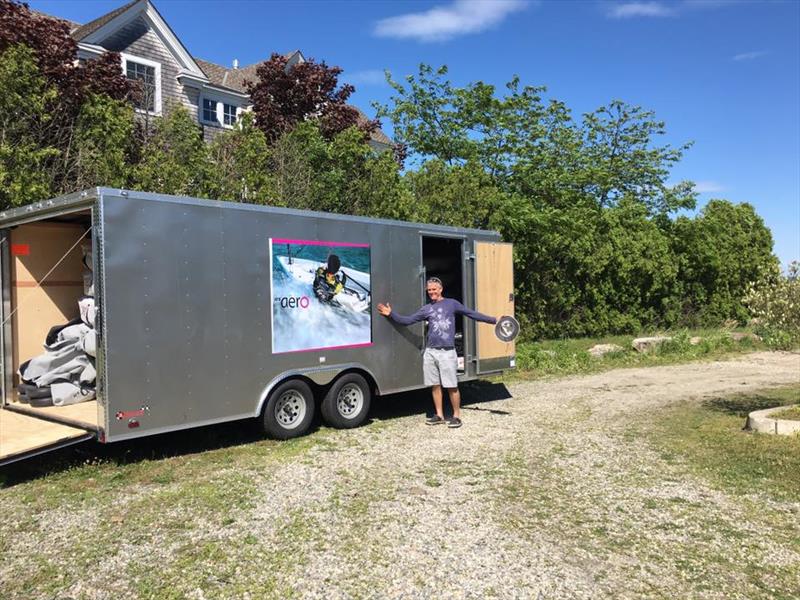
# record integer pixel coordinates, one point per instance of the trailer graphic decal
(321, 295)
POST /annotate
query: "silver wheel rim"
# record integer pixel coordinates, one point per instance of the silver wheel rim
(350, 401)
(290, 409)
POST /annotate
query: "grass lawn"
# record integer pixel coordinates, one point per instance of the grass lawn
(570, 356)
(709, 438)
(792, 414)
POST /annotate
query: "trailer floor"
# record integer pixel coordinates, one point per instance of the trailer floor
(25, 435)
(84, 414)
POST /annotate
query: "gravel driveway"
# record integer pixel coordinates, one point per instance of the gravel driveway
(547, 494)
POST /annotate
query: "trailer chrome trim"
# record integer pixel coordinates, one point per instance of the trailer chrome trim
(5, 330)
(63, 205)
(430, 229)
(99, 281)
(319, 375)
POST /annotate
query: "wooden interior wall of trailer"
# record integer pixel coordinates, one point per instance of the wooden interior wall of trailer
(35, 249)
(494, 291)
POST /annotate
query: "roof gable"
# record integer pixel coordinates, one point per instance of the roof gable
(101, 28)
(87, 29)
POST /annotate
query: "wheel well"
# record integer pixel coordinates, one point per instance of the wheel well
(296, 377)
(370, 379)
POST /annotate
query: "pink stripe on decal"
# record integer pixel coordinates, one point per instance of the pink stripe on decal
(326, 348)
(318, 243)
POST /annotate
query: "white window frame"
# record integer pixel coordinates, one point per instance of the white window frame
(202, 111)
(148, 63)
(220, 122)
(235, 113)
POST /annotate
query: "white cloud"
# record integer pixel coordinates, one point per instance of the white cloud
(708, 187)
(442, 23)
(655, 8)
(630, 10)
(366, 77)
(750, 55)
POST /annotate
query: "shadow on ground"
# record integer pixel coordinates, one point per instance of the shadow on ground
(226, 435)
(744, 405)
(419, 402)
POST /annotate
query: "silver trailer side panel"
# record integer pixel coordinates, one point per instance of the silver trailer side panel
(187, 313)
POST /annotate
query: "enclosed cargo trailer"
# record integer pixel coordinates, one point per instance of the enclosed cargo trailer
(209, 312)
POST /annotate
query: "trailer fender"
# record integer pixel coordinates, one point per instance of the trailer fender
(321, 376)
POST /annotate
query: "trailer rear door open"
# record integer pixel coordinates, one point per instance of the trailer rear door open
(494, 295)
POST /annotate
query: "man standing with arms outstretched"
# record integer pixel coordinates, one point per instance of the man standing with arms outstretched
(439, 363)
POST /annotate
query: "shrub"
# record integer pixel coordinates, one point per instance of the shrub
(774, 302)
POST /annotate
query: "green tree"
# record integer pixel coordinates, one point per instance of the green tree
(103, 136)
(622, 160)
(636, 284)
(719, 252)
(427, 118)
(459, 195)
(343, 175)
(24, 116)
(175, 158)
(534, 147)
(240, 161)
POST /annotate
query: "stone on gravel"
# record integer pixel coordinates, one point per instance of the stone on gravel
(647, 344)
(599, 350)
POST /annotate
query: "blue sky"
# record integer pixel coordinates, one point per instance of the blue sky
(722, 73)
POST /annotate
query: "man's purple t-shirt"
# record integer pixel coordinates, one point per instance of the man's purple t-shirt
(441, 317)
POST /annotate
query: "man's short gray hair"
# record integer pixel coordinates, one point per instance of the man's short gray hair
(435, 280)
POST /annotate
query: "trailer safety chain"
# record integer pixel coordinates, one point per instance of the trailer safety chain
(46, 275)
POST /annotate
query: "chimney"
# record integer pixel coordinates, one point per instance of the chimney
(235, 63)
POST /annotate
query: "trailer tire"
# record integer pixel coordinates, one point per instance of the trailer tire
(346, 405)
(289, 410)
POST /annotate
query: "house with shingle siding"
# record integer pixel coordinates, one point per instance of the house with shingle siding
(153, 54)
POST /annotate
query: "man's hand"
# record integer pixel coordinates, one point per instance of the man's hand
(385, 309)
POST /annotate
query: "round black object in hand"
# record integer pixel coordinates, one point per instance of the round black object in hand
(506, 329)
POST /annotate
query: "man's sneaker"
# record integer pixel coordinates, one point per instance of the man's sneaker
(434, 420)
(454, 422)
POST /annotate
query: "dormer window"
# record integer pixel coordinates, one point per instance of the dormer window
(218, 112)
(148, 74)
(229, 114)
(210, 111)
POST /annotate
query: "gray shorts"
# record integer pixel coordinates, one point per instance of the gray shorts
(439, 367)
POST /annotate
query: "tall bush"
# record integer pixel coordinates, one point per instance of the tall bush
(774, 302)
(719, 252)
(175, 157)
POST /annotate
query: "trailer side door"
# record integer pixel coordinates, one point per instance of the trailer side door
(494, 295)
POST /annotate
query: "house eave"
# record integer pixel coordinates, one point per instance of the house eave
(190, 79)
(220, 91)
(90, 50)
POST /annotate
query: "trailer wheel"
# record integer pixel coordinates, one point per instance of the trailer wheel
(346, 404)
(289, 410)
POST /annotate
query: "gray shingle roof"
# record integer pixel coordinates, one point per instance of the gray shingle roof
(233, 78)
(92, 26)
